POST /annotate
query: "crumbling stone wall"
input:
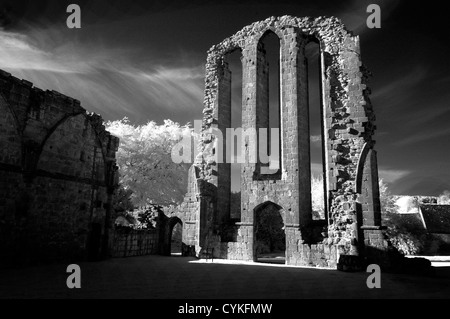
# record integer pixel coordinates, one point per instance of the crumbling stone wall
(57, 176)
(352, 200)
(189, 213)
(131, 242)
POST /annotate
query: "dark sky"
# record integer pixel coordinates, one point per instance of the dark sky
(145, 60)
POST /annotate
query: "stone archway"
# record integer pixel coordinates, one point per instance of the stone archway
(166, 243)
(176, 238)
(269, 233)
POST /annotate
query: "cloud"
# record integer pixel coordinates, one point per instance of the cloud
(388, 175)
(433, 111)
(394, 90)
(402, 100)
(316, 138)
(109, 80)
(316, 169)
(47, 49)
(392, 175)
(172, 87)
(424, 136)
(418, 184)
(17, 53)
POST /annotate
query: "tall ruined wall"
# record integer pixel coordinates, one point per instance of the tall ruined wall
(189, 211)
(57, 176)
(348, 126)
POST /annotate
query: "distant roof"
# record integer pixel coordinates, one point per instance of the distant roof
(437, 218)
(412, 222)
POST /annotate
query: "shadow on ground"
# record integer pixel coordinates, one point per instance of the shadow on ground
(179, 277)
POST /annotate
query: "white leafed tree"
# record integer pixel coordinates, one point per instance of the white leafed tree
(145, 163)
(444, 198)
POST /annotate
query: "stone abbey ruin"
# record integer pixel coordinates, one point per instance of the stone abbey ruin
(58, 169)
(352, 225)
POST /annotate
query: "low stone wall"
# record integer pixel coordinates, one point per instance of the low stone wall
(320, 255)
(127, 243)
(297, 252)
(234, 251)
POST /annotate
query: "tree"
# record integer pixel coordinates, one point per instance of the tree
(408, 204)
(387, 201)
(406, 240)
(444, 198)
(122, 201)
(148, 215)
(145, 163)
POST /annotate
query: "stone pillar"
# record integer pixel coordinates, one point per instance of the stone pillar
(295, 117)
(370, 193)
(249, 107)
(304, 157)
(370, 202)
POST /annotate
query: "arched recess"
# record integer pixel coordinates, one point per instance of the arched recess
(269, 234)
(233, 147)
(228, 96)
(10, 136)
(317, 129)
(70, 174)
(166, 239)
(263, 33)
(72, 152)
(368, 207)
(75, 140)
(175, 236)
(268, 105)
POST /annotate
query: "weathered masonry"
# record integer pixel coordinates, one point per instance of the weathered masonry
(57, 176)
(352, 226)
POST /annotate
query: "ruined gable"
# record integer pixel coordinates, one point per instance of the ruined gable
(353, 220)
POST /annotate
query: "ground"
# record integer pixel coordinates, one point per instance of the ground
(181, 277)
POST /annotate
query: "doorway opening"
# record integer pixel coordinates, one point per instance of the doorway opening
(270, 235)
(176, 239)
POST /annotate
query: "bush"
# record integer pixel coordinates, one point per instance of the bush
(406, 243)
(142, 218)
(400, 232)
(444, 198)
